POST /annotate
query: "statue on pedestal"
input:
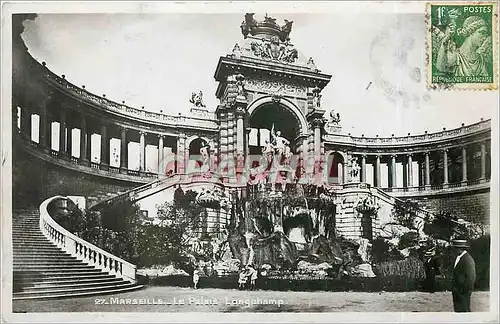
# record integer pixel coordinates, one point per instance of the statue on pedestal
(287, 156)
(311, 64)
(205, 157)
(316, 98)
(334, 117)
(268, 147)
(237, 51)
(240, 78)
(279, 144)
(197, 99)
(354, 168)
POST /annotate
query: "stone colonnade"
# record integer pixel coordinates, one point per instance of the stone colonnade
(433, 166)
(107, 131)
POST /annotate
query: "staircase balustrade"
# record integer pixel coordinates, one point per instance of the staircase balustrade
(81, 249)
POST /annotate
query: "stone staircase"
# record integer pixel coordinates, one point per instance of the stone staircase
(101, 195)
(42, 270)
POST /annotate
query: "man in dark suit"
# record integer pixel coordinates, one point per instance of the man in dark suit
(431, 265)
(464, 276)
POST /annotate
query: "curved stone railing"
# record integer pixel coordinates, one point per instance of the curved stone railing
(421, 213)
(76, 164)
(165, 183)
(470, 185)
(129, 193)
(483, 125)
(81, 249)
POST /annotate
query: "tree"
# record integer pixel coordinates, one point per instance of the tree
(71, 217)
(382, 250)
(409, 239)
(120, 224)
(442, 226)
(179, 223)
(405, 213)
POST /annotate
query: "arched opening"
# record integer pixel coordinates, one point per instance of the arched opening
(267, 118)
(335, 164)
(199, 155)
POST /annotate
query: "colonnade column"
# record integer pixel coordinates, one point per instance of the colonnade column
(405, 172)
(224, 140)
(445, 167)
(427, 170)
(483, 161)
(43, 126)
(104, 145)
(410, 170)
(240, 142)
(69, 141)
(142, 151)
(464, 164)
(377, 172)
(230, 136)
(240, 113)
(26, 122)
(123, 150)
(345, 171)
(181, 145)
(247, 141)
(393, 171)
(317, 142)
(305, 156)
(160, 155)
(83, 139)
(62, 132)
(89, 143)
(363, 168)
(317, 124)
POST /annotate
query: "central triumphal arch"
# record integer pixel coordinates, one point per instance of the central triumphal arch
(267, 87)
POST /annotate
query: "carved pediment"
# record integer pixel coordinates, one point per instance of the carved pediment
(277, 88)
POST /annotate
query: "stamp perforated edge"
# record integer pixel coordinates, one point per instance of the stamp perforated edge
(428, 50)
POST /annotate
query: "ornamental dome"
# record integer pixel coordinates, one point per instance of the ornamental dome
(267, 41)
(265, 29)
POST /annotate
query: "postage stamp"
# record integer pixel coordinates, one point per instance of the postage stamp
(462, 46)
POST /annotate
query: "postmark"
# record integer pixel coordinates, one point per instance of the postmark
(462, 42)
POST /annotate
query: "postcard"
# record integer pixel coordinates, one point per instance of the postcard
(250, 161)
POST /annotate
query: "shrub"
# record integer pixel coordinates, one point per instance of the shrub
(71, 217)
(382, 250)
(405, 212)
(377, 284)
(411, 267)
(442, 227)
(408, 239)
(480, 251)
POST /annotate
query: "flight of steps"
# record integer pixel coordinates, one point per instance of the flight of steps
(42, 270)
(100, 195)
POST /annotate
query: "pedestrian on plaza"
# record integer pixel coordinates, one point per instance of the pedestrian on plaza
(253, 277)
(196, 278)
(431, 266)
(242, 280)
(464, 276)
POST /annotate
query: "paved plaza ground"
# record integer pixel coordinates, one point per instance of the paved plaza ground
(174, 299)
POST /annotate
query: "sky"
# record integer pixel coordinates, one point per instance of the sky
(377, 63)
